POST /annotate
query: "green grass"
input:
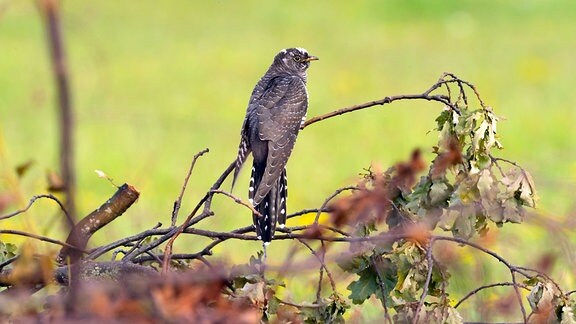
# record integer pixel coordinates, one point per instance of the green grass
(155, 83)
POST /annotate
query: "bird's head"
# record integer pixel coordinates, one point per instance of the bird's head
(294, 59)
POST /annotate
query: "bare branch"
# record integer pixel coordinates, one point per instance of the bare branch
(178, 201)
(50, 12)
(43, 238)
(31, 202)
(124, 197)
(322, 264)
(332, 196)
(426, 95)
(8, 261)
(190, 220)
(237, 200)
(427, 282)
(475, 291)
(382, 289)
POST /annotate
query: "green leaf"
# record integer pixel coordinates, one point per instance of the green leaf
(355, 264)
(444, 116)
(483, 161)
(368, 283)
(331, 310)
(418, 194)
(364, 287)
(7, 251)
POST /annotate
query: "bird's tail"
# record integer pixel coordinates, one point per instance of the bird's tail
(282, 198)
(243, 151)
(272, 208)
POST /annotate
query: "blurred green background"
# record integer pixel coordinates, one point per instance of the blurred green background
(155, 82)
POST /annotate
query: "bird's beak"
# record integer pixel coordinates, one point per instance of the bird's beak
(312, 58)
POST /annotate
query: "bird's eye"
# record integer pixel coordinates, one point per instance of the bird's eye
(297, 58)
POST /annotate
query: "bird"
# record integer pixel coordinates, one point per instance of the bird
(276, 111)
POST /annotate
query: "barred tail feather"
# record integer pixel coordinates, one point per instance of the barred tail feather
(266, 222)
(282, 198)
(243, 151)
(272, 208)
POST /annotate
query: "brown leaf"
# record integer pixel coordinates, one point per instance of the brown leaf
(417, 233)
(371, 203)
(451, 155)
(22, 168)
(363, 206)
(314, 232)
(287, 314)
(55, 182)
(406, 172)
(546, 262)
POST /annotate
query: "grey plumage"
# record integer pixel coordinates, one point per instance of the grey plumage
(276, 110)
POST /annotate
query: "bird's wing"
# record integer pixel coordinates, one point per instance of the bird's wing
(280, 111)
(244, 148)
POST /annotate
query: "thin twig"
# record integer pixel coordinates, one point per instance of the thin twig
(513, 269)
(382, 289)
(178, 201)
(97, 252)
(8, 261)
(475, 291)
(320, 272)
(42, 238)
(518, 296)
(332, 196)
(328, 274)
(237, 200)
(190, 220)
(427, 282)
(31, 202)
(426, 95)
(300, 305)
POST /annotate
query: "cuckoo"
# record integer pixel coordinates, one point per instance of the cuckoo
(275, 113)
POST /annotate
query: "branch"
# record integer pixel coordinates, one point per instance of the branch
(49, 10)
(43, 238)
(426, 95)
(178, 201)
(475, 291)
(513, 269)
(382, 288)
(427, 282)
(31, 202)
(322, 265)
(110, 210)
(332, 196)
(97, 252)
(190, 220)
(237, 200)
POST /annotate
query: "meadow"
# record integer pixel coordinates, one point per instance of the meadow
(155, 82)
